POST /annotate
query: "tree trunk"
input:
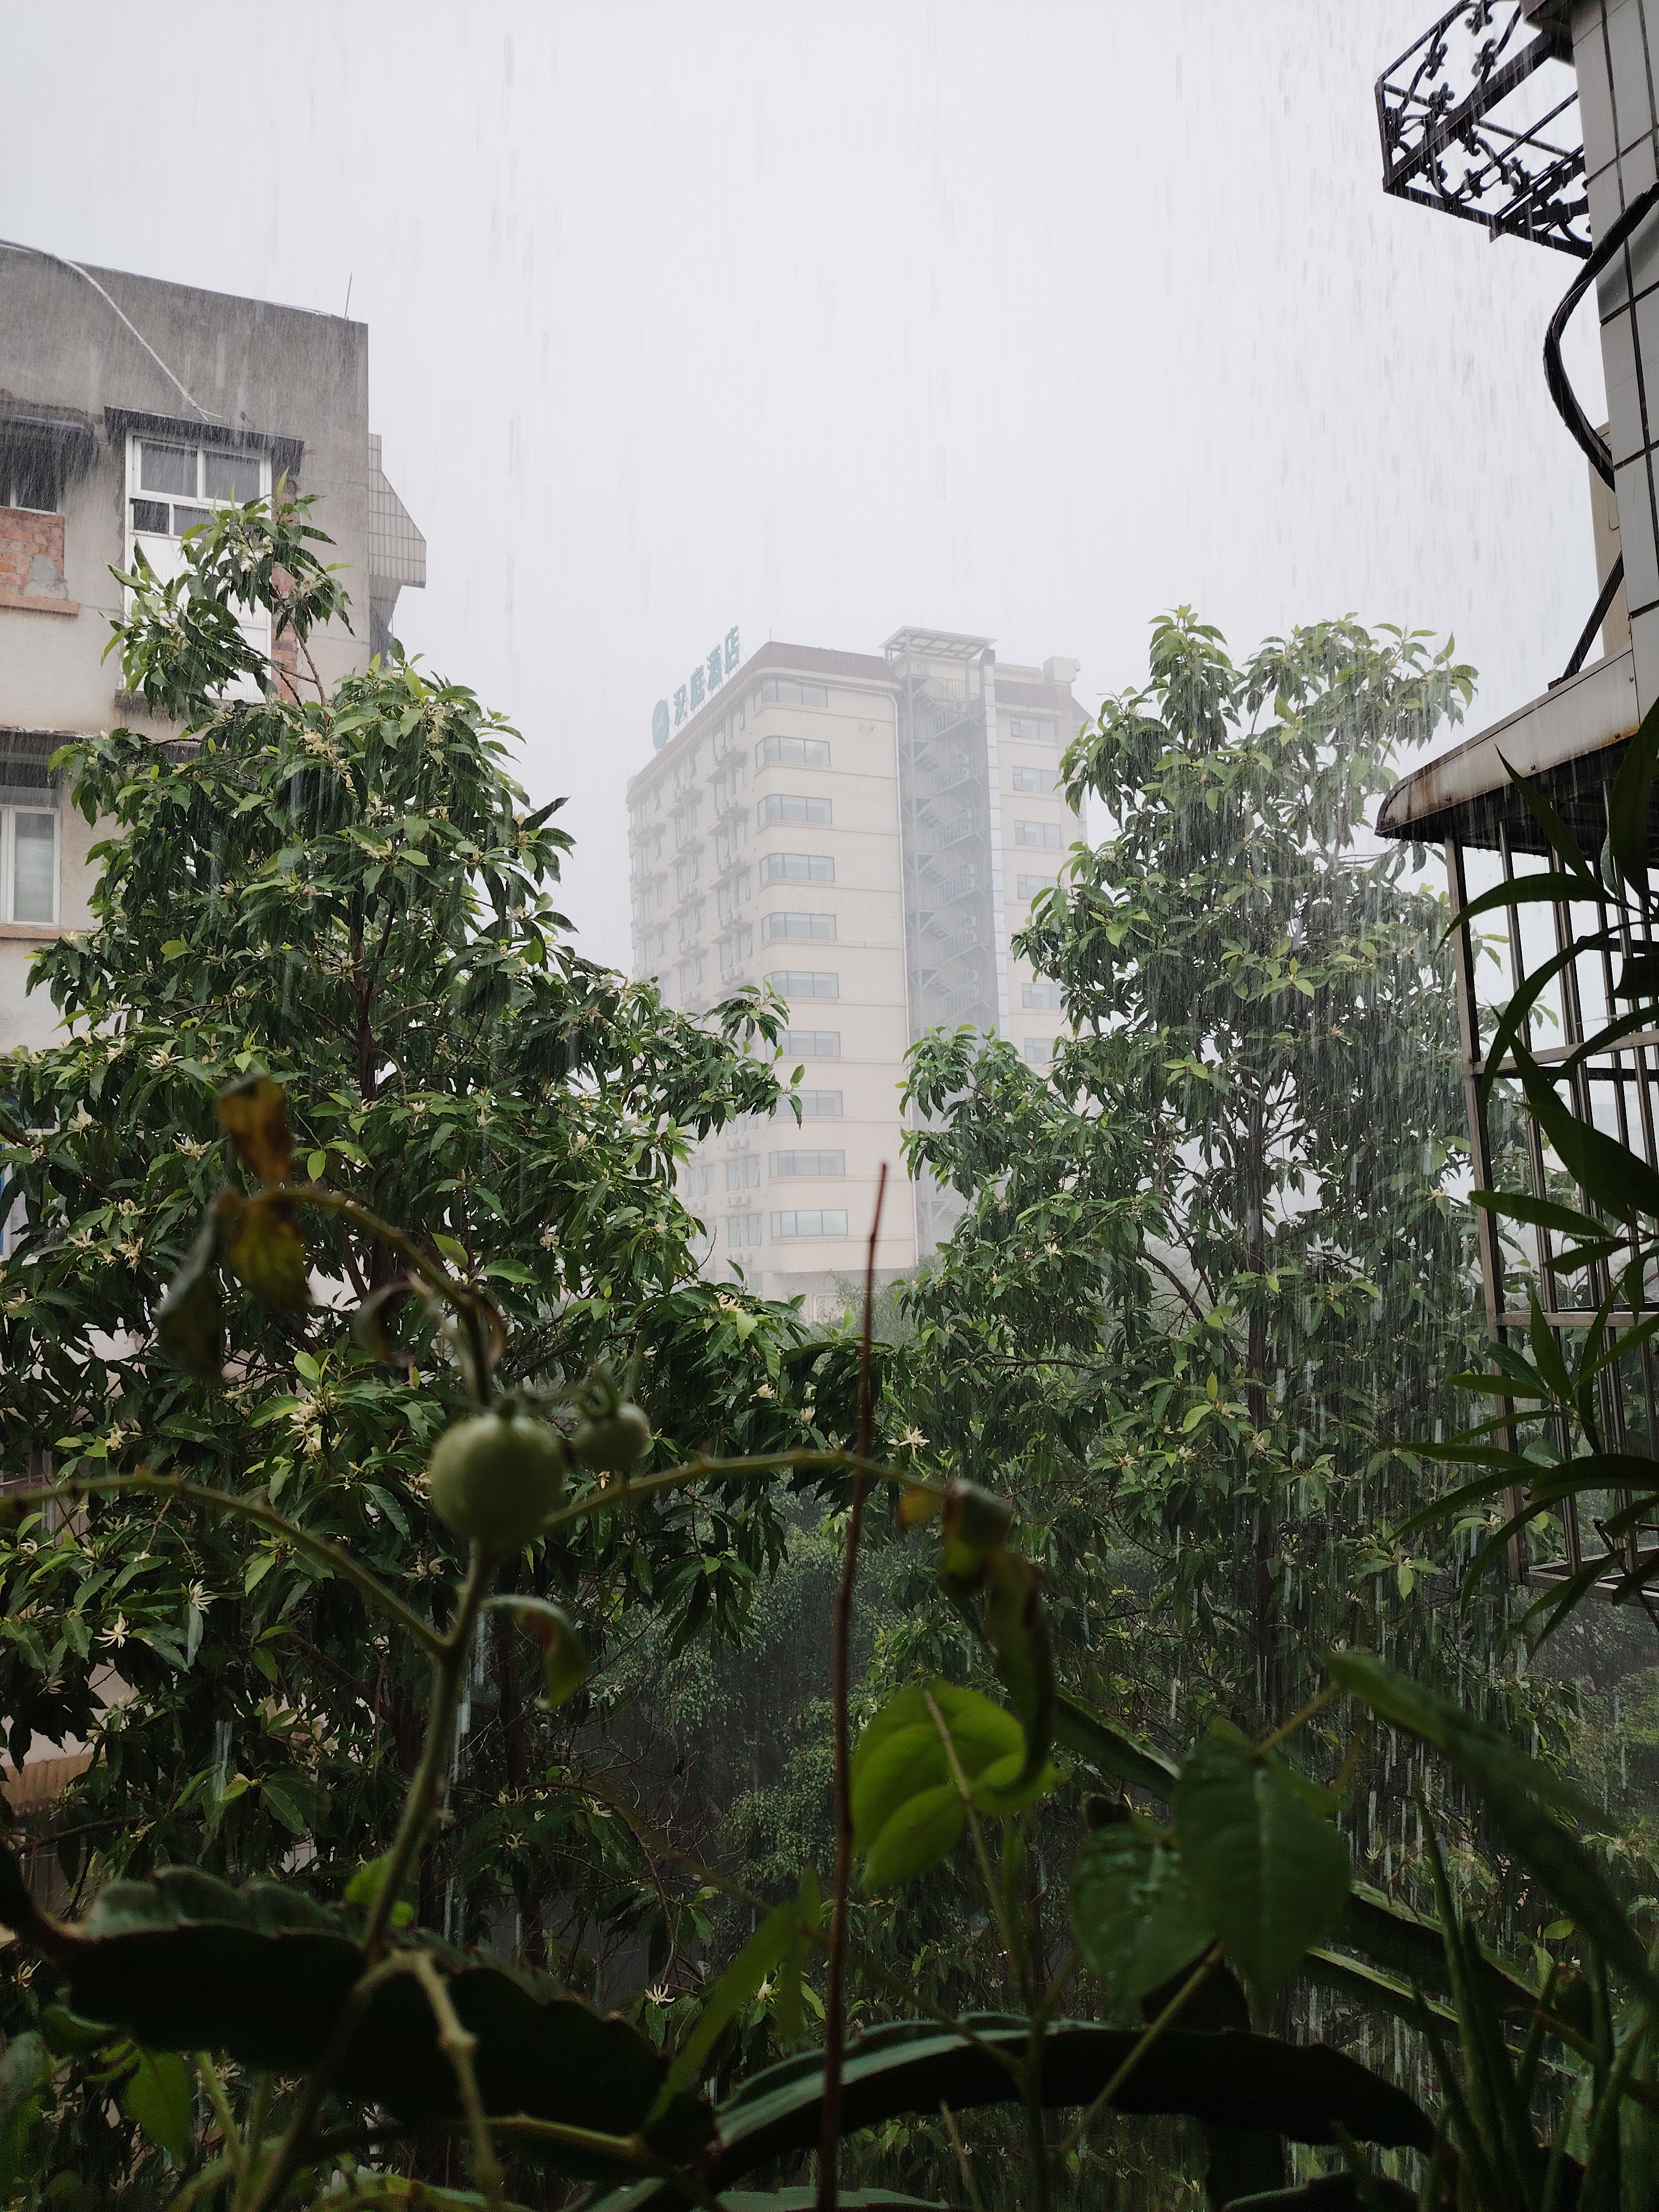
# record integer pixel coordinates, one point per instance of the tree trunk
(1269, 1625)
(533, 1941)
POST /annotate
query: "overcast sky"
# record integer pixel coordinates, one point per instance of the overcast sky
(1030, 320)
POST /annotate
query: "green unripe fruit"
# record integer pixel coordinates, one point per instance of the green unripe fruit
(613, 1443)
(495, 1479)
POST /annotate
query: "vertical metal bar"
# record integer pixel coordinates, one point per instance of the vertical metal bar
(1485, 1227)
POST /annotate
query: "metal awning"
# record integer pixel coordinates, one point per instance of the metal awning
(1572, 740)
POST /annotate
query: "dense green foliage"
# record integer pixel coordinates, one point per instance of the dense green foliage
(346, 1152)
(1212, 1274)
(348, 891)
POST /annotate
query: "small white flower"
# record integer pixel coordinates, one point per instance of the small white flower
(913, 1439)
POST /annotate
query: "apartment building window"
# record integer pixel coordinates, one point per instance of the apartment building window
(1040, 779)
(31, 470)
(743, 1228)
(691, 921)
(804, 983)
(743, 1173)
(791, 691)
(794, 806)
(1038, 731)
(686, 873)
(696, 1179)
(730, 841)
(734, 951)
(1030, 887)
(808, 1163)
(732, 893)
(1046, 834)
(818, 926)
(1040, 993)
(175, 487)
(728, 785)
(798, 868)
(811, 1221)
(811, 1044)
(793, 752)
(692, 972)
(685, 824)
(1039, 1051)
(819, 1105)
(28, 865)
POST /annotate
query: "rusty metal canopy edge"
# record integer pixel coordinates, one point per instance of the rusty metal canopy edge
(1572, 739)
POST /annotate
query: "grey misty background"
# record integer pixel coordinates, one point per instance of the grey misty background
(1030, 320)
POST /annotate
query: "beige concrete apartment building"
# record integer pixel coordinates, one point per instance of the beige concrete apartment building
(865, 833)
(129, 408)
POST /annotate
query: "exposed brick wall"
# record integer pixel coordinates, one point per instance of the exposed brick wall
(32, 554)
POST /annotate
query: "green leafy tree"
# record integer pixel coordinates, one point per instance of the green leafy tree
(1213, 1272)
(346, 889)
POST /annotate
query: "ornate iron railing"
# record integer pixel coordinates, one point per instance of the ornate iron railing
(1520, 173)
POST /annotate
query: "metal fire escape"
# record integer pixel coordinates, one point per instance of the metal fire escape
(954, 942)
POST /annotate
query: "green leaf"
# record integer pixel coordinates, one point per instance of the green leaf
(903, 1783)
(268, 1252)
(1610, 1172)
(1227, 2079)
(735, 1987)
(564, 1662)
(1543, 1213)
(1557, 834)
(1628, 802)
(973, 1524)
(255, 1112)
(1639, 977)
(182, 1962)
(1118, 1756)
(366, 1885)
(190, 1320)
(281, 1802)
(368, 1323)
(809, 1913)
(1021, 1649)
(921, 1831)
(1268, 1871)
(1515, 1791)
(161, 2098)
(1133, 1912)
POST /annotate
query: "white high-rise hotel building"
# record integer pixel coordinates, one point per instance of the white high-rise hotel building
(865, 834)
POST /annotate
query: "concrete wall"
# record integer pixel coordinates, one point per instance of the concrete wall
(1616, 54)
(253, 369)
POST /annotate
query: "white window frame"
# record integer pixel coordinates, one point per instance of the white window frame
(793, 1166)
(8, 814)
(163, 550)
(795, 927)
(790, 1223)
(804, 982)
